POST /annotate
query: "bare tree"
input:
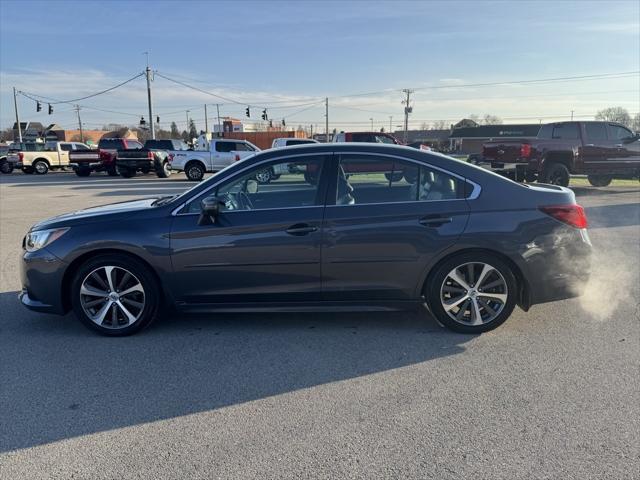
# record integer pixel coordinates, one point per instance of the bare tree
(424, 126)
(440, 125)
(615, 114)
(474, 117)
(491, 120)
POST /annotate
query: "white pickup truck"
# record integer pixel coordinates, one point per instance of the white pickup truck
(221, 153)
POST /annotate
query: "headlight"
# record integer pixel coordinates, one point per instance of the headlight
(41, 238)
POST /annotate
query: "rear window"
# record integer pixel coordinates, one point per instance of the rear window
(243, 147)
(110, 143)
(225, 146)
(596, 131)
(133, 145)
(66, 147)
(362, 137)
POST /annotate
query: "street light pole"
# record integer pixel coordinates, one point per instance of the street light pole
(390, 123)
(371, 124)
(15, 104)
(148, 72)
(326, 103)
(80, 123)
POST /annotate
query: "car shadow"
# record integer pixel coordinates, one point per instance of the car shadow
(61, 381)
(609, 216)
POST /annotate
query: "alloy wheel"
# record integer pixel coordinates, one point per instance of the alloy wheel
(112, 297)
(474, 293)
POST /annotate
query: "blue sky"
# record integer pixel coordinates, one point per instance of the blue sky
(287, 54)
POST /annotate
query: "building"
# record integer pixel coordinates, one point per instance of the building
(36, 132)
(31, 131)
(469, 140)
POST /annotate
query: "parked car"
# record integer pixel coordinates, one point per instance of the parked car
(290, 142)
(5, 166)
(103, 159)
(53, 156)
(221, 154)
(156, 155)
(601, 150)
(448, 241)
(368, 137)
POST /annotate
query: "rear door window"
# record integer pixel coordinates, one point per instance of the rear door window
(596, 131)
(243, 147)
(565, 131)
(370, 179)
(66, 147)
(225, 147)
(362, 137)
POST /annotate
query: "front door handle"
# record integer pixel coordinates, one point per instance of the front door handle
(300, 229)
(434, 221)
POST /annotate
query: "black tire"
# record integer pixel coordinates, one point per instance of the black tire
(194, 171)
(83, 172)
(140, 272)
(27, 170)
(127, 172)
(556, 174)
(164, 171)
(5, 166)
(40, 167)
(435, 283)
(264, 176)
(112, 171)
(599, 180)
(396, 177)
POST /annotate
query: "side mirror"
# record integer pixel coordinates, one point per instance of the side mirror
(252, 186)
(210, 209)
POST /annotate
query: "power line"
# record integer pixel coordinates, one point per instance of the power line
(88, 96)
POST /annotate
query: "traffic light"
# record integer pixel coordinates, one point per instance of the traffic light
(157, 119)
(50, 109)
(284, 124)
(264, 114)
(248, 112)
(38, 106)
(270, 123)
(143, 122)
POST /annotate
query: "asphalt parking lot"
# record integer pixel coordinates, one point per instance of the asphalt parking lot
(553, 393)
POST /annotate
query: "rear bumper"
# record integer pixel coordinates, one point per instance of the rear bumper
(145, 164)
(89, 165)
(559, 266)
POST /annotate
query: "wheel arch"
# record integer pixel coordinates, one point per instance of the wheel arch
(524, 289)
(73, 267)
(563, 157)
(41, 159)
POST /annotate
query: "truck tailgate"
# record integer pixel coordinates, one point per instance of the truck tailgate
(504, 152)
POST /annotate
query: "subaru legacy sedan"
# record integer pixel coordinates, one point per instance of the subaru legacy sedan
(344, 227)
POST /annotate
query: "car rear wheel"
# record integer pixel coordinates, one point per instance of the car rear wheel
(164, 171)
(472, 293)
(599, 180)
(194, 171)
(112, 171)
(556, 174)
(83, 172)
(115, 295)
(40, 167)
(127, 172)
(6, 166)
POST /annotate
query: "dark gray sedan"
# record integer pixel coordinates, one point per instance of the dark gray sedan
(342, 227)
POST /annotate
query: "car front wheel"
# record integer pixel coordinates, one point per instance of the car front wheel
(556, 174)
(194, 171)
(472, 293)
(40, 167)
(599, 180)
(164, 171)
(115, 295)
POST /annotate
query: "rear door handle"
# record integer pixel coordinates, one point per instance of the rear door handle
(434, 221)
(300, 229)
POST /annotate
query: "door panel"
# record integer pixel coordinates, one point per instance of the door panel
(392, 217)
(247, 256)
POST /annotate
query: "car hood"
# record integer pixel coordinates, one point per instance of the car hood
(111, 212)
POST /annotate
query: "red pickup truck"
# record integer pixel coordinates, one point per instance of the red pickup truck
(600, 150)
(103, 159)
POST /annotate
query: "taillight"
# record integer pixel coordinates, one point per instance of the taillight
(525, 150)
(150, 155)
(237, 159)
(170, 158)
(573, 215)
(21, 156)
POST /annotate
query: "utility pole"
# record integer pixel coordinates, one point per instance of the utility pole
(311, 130)
(148, 72)
(572, 115)
(390, 123)
(15, 104)
(80, 123)
(219, 126)
(407, 110)
(326, 105)
(371, 118)
(187, 129)
(206, 121)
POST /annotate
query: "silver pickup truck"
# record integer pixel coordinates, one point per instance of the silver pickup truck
(221, 153)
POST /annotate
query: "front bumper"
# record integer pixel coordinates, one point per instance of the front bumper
(41, 274)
